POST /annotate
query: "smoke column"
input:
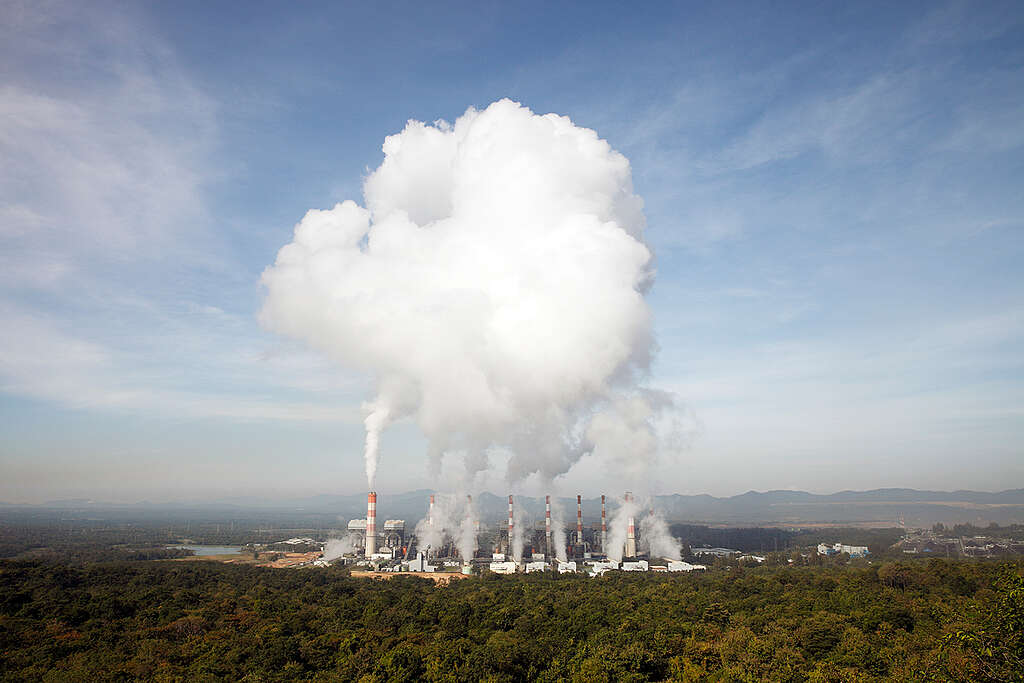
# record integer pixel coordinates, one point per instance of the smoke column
(656, 538)
(558, 531)
(516, 526)
(476, 240)
(466, 539)
(618, 533)
(336, 547)
(450, 518)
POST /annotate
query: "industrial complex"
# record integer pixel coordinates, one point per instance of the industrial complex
(438, 544)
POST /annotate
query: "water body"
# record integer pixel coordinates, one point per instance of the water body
(209, 549)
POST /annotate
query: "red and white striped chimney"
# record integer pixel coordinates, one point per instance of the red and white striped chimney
(579, 519)
(511, 523)
(371, 523)
(547, 524)
(604, 528)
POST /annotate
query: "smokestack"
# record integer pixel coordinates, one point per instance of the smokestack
(604, 528)
(371, 523)
(430, 511)
(511, 524)
(631, 532)
(579, 519)
(547, 525)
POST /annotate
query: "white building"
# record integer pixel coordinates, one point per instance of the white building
(566, 567)
(537, 567)
(503, 567)
(601, 567)
(685, 567)
(837, 548)
(420, 564)
(638, 566)
(715, 552)
(299, 541)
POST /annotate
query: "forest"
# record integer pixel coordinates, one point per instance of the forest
(206, 621)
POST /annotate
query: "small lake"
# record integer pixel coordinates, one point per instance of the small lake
(209, 549)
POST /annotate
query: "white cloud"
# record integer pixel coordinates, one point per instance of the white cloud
(493, 284)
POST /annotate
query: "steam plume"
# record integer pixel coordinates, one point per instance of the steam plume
(336, 547)
(493, 284)
(656, 538)
(618, 527)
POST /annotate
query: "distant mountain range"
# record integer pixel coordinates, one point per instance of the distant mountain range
(878, 507)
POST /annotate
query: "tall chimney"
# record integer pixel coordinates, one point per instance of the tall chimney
(371, 523)
(511, 524)
(430, 511)
(630, 550)
(579, 519)
(604, 528)
(547, 525)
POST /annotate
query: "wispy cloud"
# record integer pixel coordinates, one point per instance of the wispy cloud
(111, 265)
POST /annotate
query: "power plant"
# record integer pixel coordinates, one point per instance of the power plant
(451, 536)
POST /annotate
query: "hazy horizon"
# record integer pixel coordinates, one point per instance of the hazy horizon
(283, 496)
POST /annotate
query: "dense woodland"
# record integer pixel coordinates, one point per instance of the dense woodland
(195, 621)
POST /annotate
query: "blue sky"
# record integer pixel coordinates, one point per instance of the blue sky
(832, 193)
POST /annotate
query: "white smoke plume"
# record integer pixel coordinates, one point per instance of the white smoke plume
(558, 529)
(493, 285)
(438, 527)
(336, 547)
(518, 539)
(452, 521)
(618, 528)
(656, 538)
(635, 433)
(466, 540)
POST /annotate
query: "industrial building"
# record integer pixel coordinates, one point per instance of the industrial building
(839, 548)
(585, 548)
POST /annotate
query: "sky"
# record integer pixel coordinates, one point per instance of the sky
(832, 194)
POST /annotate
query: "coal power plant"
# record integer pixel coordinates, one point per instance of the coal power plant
(453, 537)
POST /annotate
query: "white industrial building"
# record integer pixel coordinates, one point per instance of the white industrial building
(838, 548)
(638, 566)
(599, 568)
(715, 552)
(420, 563)
(685, 567)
